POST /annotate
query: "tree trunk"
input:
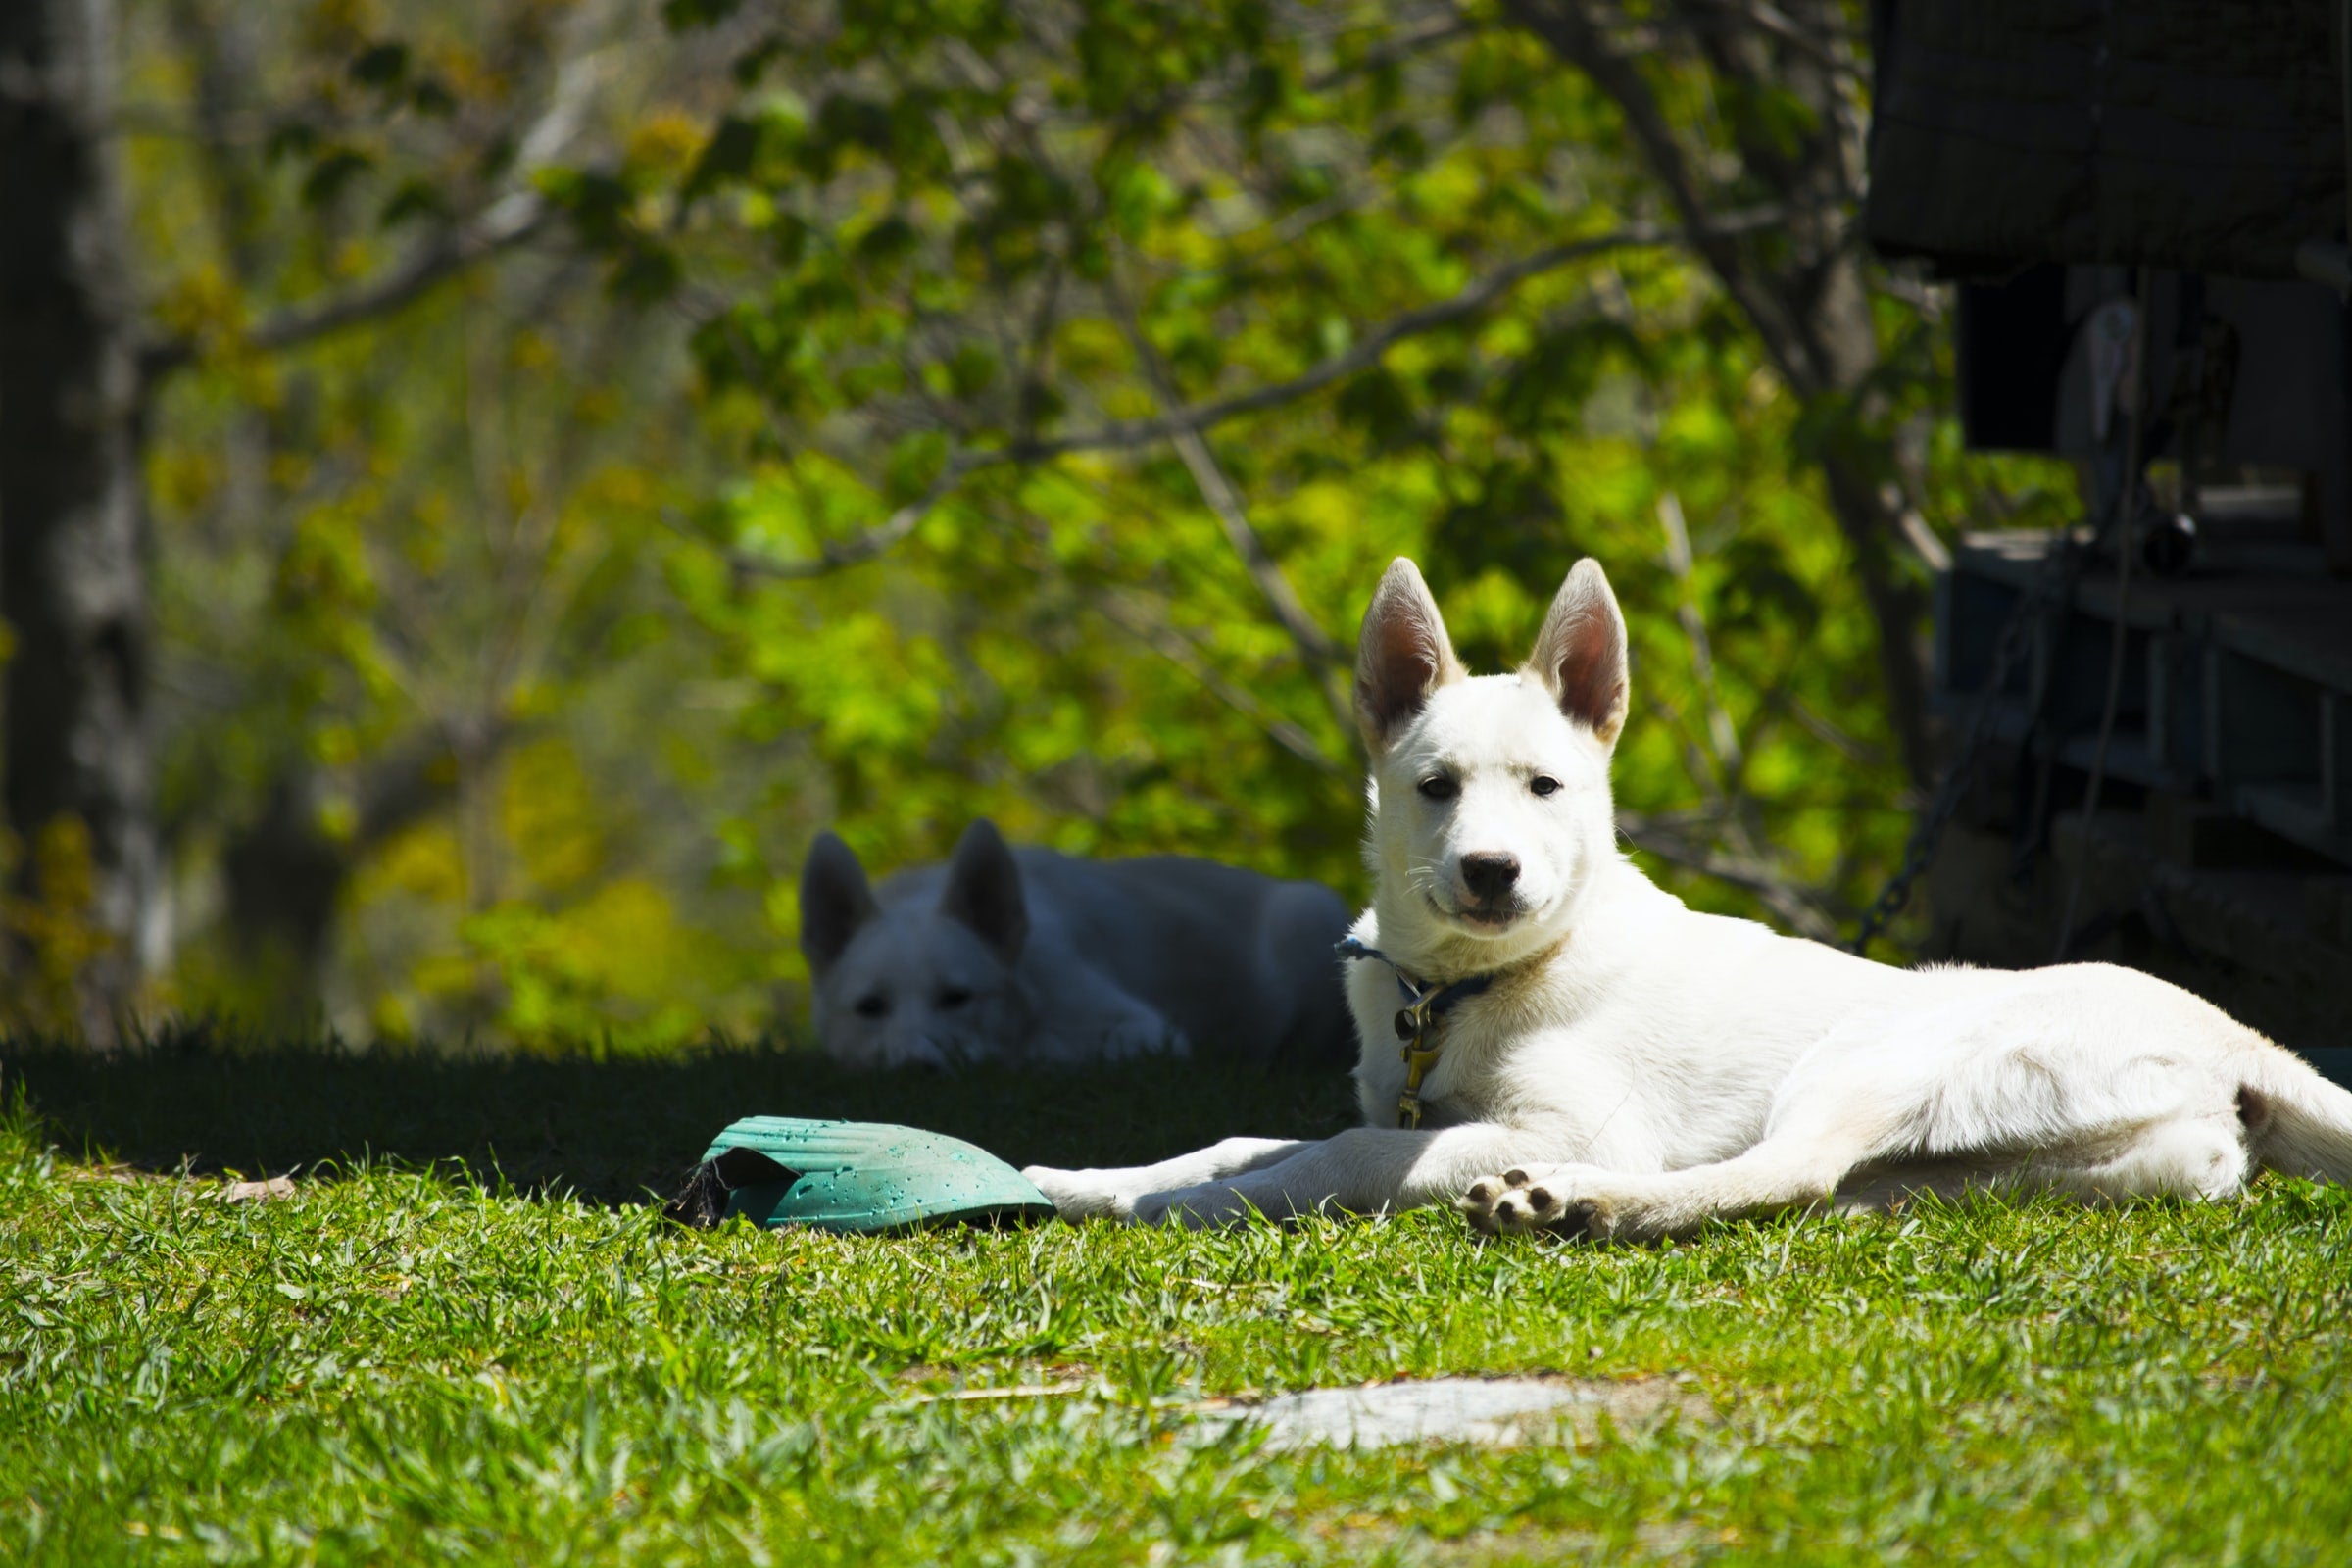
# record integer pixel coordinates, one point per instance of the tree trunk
(284, 876)
(1803, 290)
(72, 545)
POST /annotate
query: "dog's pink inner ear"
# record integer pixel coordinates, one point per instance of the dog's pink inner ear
(1579, 655)
(984, 890)
(835, 901)
(1403, 655)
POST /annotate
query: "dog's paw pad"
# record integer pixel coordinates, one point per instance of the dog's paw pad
(1498, 1206)
(1592, 1217)
(1478, 1205)
(1524, 1202)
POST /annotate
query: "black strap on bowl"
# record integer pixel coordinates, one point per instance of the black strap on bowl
(702, 1202)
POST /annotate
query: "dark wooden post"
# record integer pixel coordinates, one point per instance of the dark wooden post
(72, 545)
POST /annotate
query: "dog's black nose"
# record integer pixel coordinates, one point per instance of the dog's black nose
(1489, 874)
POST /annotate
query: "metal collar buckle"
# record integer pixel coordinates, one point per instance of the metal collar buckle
(1418, 1023)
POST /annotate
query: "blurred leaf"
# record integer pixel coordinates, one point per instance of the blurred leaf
(526, 529)
(683, 15)
(415, 198)
(381, 66)
(332, 170)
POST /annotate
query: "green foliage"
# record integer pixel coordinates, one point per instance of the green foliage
(52, 923)
(428, 766)
(847, 500)
(395, 1367)
(968, 238)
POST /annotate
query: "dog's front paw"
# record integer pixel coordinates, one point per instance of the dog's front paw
(1555, 1198)
(1080, 1194)
(1204, 1207)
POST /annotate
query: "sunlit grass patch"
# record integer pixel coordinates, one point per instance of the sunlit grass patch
(409, 1364)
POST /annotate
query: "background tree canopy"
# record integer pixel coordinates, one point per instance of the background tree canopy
(583, 450)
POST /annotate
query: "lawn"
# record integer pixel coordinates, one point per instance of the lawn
(465, 1338)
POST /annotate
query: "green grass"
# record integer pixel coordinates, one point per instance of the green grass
(450, 1355)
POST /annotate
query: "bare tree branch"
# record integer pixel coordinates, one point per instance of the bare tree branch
(1130, 434)
(840, 554)
(1851, 747)
(1810, 309)
(508, 222)
(1741, 860)
(1395, 51)
(1786, 897)
(1179, 649)
(1722, 733)
(505, 222)
(1778, 24)
(1368, 351)
(1576, 38)
(1316, 646)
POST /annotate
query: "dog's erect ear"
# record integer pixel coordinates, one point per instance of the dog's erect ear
(1401, 657)
(984, 889)
(1580, 654)
(834, 901)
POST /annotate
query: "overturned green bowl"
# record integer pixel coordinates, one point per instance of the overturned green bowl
(854, 1176)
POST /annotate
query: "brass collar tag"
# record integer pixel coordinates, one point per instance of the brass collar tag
(1418, 1023)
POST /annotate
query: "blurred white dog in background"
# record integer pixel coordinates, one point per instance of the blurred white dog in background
(1029, 957)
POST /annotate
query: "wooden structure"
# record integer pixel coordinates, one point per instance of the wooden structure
(2147, 208)
(2221, 853)
(2236, 690)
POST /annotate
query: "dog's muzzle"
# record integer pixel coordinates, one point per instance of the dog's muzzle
(1488, 889)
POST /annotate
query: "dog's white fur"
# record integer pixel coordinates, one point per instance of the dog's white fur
(1029, 957)
(1636, 1068)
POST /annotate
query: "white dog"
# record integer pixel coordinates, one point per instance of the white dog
(1634, 1069)
(1029, 957)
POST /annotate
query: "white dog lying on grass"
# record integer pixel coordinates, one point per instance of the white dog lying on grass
(1631, 1068)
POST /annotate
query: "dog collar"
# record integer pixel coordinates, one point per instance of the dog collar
(1425, 1006)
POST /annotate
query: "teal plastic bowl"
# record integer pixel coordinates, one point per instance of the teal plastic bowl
(859, 1177)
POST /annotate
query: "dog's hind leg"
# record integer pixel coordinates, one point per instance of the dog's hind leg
(2178, 1157)
(2004, 1094)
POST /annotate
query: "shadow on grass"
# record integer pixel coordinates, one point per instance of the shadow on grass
(610, 1131)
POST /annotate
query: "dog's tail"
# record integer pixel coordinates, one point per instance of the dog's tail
(2296, 1121)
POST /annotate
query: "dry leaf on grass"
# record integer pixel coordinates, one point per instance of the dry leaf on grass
(257, 1192)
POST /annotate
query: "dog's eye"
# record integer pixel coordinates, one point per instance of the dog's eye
(1437, 787)
(953, 997)
(874, 1005)
(1545, 784)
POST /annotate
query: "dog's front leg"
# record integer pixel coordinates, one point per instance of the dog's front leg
(1094, 1019)
(1112, 1194)
(1363, 1170)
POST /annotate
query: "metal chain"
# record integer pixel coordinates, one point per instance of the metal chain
(2058, 569)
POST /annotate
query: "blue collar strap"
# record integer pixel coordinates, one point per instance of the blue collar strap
(1425, 1006)
(1437, 1000)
